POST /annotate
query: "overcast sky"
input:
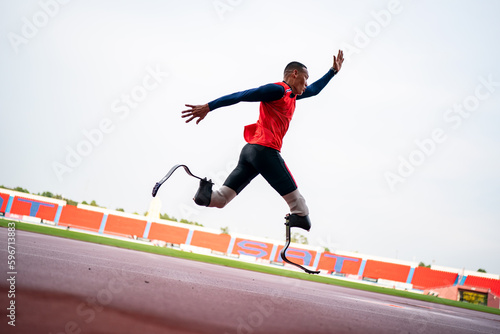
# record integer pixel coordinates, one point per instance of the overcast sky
(397, 157)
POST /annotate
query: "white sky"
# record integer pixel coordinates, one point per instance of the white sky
(403, 75)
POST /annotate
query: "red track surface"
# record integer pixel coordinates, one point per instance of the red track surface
(67, 286)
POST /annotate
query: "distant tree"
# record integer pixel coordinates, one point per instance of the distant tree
(56, 196)
(299, 238)
(167, 217)
(421, 264)
(185, 221)
(71, 202)
(224, 230)
(85, 202)
(480, 270)
(16, 189)
(93, 203)
(21, 190)
(120, 209)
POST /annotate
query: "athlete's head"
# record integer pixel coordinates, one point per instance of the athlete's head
(296, 76)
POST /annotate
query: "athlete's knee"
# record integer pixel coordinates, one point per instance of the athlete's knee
(301, 207)
(221, 197)
(218, 200)
(297, 203)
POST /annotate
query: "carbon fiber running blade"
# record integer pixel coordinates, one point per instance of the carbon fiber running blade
(170, 172)
(283, 254)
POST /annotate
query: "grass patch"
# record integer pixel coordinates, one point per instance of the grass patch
(38, 228)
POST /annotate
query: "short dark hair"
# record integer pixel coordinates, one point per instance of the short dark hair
(294, 65)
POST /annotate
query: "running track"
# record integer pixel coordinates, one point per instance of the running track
(68, 286)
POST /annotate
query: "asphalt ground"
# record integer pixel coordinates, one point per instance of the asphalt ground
(69, 286)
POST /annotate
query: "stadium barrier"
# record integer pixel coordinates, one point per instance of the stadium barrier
(390, 272)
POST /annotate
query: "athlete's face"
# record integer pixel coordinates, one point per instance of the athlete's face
(300, 81)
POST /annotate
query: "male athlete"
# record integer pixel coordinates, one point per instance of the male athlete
(262, 153)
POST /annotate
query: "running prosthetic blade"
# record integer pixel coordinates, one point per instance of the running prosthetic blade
(283, 252)
(170, 172)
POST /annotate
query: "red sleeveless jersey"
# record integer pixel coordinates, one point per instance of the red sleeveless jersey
(274, 120)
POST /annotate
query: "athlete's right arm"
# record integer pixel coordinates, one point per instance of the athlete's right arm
(266, 93)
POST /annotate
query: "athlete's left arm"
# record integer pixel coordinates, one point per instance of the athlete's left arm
(318, 85)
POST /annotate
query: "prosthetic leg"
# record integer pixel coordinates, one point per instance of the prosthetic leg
(294, 220)
(203, 197)
(171, 171)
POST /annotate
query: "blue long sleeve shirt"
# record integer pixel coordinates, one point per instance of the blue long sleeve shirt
(270, 92)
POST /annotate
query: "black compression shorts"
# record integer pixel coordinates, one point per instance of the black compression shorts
(257, 159)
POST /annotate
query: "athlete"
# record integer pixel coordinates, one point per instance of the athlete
(261, 154)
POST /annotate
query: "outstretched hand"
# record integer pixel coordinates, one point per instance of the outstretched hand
(337, 61)
(199, 112)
